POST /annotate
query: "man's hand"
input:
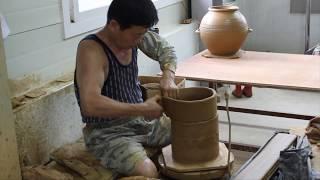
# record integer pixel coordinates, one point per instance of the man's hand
(167, 84)
(153, 108)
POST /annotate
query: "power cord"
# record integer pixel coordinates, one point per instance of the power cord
(226, 96)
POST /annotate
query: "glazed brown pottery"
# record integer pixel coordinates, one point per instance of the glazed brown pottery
(194, 122)
(223, 30)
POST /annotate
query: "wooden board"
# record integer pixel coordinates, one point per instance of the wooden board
(221, 162)
(265, 161)
(9, 161)
(277, 70)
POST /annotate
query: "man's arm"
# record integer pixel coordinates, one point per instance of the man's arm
(157, 48)
(91, 74)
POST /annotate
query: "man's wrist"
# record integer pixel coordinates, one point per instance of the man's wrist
(169, 67)
(140, 108)
(168, 74)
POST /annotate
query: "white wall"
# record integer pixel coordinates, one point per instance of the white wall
(199, 8)
(275, 29)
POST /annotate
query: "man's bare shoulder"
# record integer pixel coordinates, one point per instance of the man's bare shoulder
(90, 51)
(90, 62)
(90, 46)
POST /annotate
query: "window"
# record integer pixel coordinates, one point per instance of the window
(85, 5)
(81, 16)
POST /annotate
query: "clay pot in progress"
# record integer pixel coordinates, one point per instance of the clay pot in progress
(194, 125)
(223, 30)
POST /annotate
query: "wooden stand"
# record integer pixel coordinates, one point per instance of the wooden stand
(215, 168)
(219, 163)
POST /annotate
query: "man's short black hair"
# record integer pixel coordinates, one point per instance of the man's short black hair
(133, 12)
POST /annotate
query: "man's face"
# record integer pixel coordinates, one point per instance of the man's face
(130, 37)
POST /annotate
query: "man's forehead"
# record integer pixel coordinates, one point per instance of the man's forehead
(138, 28)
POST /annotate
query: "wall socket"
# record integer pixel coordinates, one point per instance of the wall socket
(299, 6)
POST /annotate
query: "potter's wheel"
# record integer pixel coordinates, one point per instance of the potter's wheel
(215, 168)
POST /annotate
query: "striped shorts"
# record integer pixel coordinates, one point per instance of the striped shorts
(120, 147)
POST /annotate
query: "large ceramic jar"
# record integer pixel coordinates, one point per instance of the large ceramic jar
(223, 30)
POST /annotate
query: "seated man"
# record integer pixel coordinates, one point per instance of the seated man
(118, 122)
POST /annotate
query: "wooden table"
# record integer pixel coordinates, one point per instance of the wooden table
(262, 69)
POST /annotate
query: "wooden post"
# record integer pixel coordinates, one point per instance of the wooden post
(9, 158)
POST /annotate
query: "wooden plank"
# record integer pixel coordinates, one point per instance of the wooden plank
(37, 78)
(265, 160)
(9, 160)
(277, 70)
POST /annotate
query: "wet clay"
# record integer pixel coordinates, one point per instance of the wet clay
(194, 121)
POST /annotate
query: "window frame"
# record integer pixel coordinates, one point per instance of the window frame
(76, 23)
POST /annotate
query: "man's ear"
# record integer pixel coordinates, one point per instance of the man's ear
(114, 25)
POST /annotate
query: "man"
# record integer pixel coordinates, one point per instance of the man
(118, 122)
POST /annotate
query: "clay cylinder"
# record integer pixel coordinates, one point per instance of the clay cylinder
(194, 125)
(223, 30)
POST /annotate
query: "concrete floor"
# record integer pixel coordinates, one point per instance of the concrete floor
(257, 129)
